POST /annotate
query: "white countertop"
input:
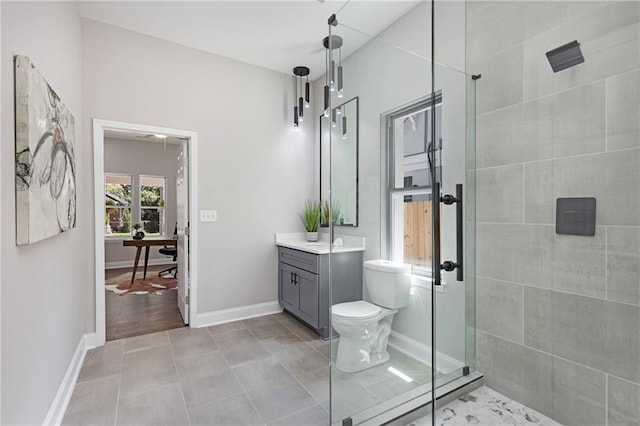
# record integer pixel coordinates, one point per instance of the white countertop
(298, 241)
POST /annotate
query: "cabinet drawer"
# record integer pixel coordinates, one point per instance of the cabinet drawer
(299, 259)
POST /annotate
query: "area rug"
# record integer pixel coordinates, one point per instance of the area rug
(152, 284)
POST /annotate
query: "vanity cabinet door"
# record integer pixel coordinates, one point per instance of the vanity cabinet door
(308, 307)
(288, 288)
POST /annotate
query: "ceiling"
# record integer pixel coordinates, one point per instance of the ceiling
(139, 137)
(277, 35)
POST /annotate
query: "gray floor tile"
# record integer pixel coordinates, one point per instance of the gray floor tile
(272, 390)
(146, 341)
(259, 321)
(269, 330)
(280, 316)
(274, 403)
(302, 331)
(263, 374)
(313, 416)
(147, 369)
(103, 361)
(239, 347)
(93, 402)
(206, 378)
(349, 397)
(392, 387)
(187, 342)
(227, 327)
(159, 406)
(322, 346)
(301, 359)
(234, 411)
(285, 343)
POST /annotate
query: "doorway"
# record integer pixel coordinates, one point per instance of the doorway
(131, 195)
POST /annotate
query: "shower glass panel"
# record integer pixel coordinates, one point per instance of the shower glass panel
(411, 136)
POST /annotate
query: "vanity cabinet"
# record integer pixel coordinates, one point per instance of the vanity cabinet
(303, 284)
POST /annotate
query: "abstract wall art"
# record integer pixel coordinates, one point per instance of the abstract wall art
(45, 158)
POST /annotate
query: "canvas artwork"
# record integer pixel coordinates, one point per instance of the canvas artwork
(45, 158)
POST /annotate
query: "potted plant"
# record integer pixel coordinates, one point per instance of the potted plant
(138, 233)
(310, 218)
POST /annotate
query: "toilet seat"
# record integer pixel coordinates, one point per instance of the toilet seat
(358, 310)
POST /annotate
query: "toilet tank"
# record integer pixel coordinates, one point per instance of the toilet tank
(388, 283)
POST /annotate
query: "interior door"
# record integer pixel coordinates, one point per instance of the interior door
(182, 197)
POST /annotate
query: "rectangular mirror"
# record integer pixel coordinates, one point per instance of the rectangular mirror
(341, 130)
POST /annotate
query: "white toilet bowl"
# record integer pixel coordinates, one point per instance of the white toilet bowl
(364, 327)
(364, 332)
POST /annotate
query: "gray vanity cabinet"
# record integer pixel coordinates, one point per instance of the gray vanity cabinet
(303, 284)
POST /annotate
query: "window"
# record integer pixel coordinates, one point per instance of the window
(409, 141)
(117, 194)
(152, 199)
(125, 207)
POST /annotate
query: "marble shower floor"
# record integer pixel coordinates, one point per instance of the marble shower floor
(269, 370)
(487, 407)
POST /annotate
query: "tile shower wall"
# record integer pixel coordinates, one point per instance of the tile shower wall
(558, 316)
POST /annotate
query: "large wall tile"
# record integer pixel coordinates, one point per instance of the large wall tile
(623, 402)
(568, 123)
(623, 111)
(499, 25)
(600, 334)
(609, 41)
(578, 394)
(499, 308)
(499, 196)
(623, 264)
(521, 373)
(609, 177)
(501, 82)
(537, 256)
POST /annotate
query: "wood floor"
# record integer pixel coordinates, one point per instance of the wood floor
(137, 314)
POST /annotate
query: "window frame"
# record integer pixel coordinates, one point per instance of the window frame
(163, 224)
(396, 195)
(130, 207)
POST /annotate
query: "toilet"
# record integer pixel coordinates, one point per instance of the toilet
(364, 327)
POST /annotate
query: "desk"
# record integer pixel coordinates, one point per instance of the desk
(147, 242)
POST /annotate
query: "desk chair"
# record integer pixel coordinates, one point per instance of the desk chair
(170, 251)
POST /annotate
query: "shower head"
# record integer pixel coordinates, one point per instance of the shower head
(565, 56)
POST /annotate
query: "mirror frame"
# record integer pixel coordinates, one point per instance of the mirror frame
(357, 126)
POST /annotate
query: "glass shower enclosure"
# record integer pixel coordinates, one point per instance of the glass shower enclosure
(408, 120)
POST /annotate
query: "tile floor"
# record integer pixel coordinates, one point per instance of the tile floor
(487, 407)
(267, 370)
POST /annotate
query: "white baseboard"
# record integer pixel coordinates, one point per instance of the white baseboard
(61, 401)
(422, 352)
(129, 263)
(234, 314)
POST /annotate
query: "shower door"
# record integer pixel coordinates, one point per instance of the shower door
(415, 145)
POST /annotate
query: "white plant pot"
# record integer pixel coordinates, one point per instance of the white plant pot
(312, 236)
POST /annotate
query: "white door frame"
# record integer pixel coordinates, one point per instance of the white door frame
(99, 126)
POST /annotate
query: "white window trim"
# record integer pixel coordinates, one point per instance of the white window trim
(163, 226)
(118, 238)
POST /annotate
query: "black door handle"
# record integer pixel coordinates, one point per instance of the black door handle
(449, 265)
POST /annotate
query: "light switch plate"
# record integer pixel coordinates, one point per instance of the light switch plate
(208, 215)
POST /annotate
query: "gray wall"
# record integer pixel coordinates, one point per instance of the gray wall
(558, 316)
(46, 286)
(137, 158)
(252, 167)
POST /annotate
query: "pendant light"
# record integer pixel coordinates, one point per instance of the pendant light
(332, 80)
(344, 127)
(300, 102)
